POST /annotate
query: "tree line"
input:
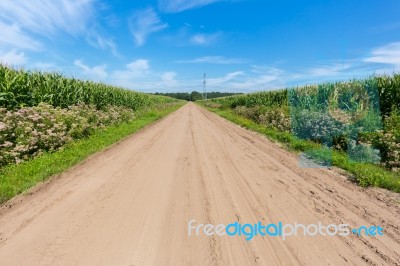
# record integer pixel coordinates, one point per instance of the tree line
(195, 95)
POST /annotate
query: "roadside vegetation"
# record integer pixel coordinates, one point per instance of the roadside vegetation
(49, 123)
(354, 125)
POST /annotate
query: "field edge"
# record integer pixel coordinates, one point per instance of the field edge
(16, 179)
(363, 174)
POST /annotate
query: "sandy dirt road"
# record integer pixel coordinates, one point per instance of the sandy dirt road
(131, 204)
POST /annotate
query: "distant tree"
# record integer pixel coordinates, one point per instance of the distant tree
(195, 95)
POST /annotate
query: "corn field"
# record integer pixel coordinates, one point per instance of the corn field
(19, 88)
(382, 90)
(360, 117)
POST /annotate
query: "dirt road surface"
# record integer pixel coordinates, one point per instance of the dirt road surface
(131, 204)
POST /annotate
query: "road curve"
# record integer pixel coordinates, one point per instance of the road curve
(131, 204)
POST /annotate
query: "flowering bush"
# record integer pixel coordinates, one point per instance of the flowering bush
(317, 126)
(388, 141)
(275, 118)
(248, 112)
(30, 131)
(356, 136)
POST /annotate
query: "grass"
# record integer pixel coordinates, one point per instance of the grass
(365, 174)
(15, 179)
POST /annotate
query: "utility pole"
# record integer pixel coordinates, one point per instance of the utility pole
(204, 87)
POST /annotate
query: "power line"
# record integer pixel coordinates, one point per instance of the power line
(204, 87)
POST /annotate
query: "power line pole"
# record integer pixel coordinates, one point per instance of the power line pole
(204, 87)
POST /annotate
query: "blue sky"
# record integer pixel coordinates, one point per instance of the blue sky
(167, 45)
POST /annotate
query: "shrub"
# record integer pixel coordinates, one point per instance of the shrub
(30, 131)
(276, 119)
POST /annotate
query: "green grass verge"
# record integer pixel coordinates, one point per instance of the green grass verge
(365, 174)
(15, 179)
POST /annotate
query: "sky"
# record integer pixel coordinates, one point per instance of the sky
(168, 45)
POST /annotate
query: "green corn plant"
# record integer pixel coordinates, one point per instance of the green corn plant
(20, 88)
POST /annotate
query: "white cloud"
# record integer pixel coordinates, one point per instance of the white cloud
(262, 82)
(138, 67)
(143, 23)
(387, 54)
(11, 35)
(328, 70)
(96, 72)
(214, 60)
(95, 40)
(257, 69)
(256, 78)
(220, 81)
(186, 36)
(204, 39)
(45, 17)
(261, 78)
(199, 39)
(24, 23)
(138, 75)
(168, 76)
(13, 57)
(168, 79)
(175, 6)
(134, 70)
